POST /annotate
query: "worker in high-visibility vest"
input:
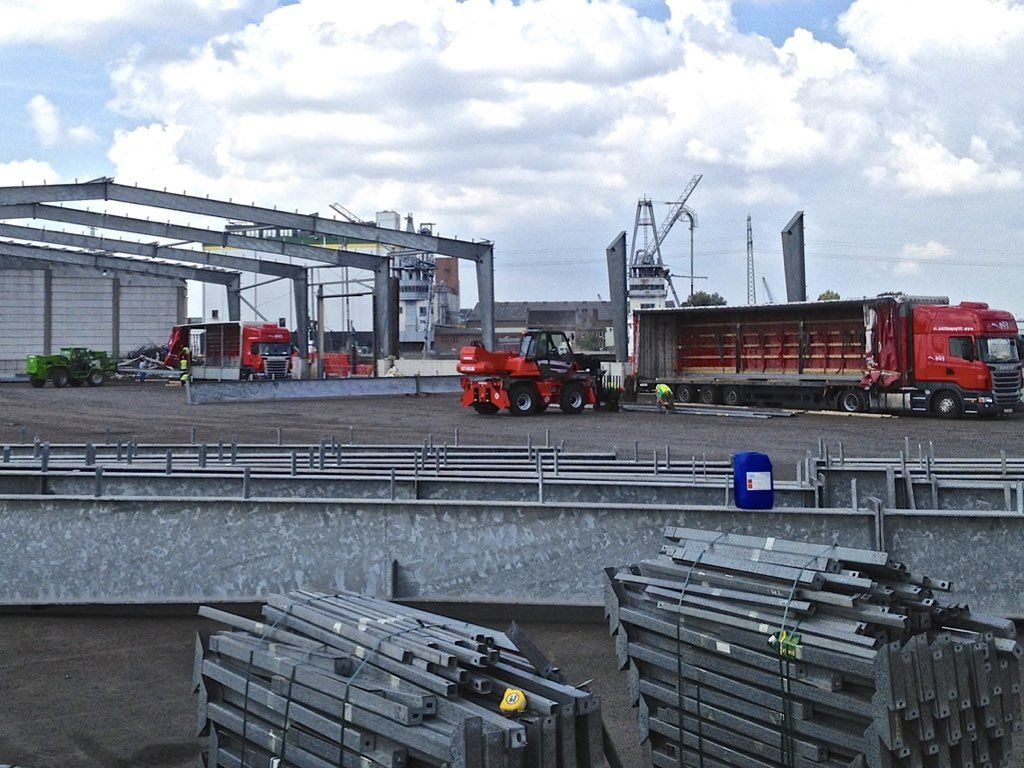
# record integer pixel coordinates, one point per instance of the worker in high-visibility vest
(185, 364)
(665, 399)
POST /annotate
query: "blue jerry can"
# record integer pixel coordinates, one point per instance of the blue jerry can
(752, 480)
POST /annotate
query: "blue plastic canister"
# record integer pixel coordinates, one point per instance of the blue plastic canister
(752, 480)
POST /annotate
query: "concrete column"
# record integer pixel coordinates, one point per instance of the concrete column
(300, 287)
(485, 290)
(383, 303)
(234, 290)
(616, 255)
(183, 302)
(115, 319)
(47, 312)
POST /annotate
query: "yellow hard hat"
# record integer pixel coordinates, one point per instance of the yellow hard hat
(513, 701)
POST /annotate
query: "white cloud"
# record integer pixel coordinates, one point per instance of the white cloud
(46, 122)
(912, 257)
(922, 165)
(59, 22)
(911, 31)
(18, 172)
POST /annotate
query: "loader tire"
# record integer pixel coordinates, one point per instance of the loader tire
(573, 398)
(95, 379)
(59, 377)
(524, 399)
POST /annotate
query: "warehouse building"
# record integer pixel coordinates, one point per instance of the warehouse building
(44, 309)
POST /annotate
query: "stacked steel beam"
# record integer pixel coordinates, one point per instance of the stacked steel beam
(344, 680)
(752, 652)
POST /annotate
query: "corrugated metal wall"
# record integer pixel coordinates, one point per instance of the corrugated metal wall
(83, 311)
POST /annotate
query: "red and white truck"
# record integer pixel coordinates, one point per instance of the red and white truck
(232, 351)
(889, 353)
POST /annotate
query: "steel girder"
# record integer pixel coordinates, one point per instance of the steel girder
(28, 199)
(40, 256)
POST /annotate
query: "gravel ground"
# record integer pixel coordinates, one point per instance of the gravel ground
(105, 689)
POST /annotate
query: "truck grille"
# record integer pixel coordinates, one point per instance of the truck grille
(276, 369)
(1006, 385)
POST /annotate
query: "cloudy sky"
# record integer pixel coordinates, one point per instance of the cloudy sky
(896, 125)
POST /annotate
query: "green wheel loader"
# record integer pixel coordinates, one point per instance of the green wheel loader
(73, 367)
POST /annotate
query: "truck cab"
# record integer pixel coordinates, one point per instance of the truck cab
(967, 359)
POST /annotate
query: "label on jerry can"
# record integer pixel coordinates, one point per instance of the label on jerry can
(759, 481)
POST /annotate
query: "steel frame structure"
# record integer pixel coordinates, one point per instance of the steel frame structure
(34, 202)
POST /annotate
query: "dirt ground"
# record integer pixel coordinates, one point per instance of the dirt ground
(113, 689)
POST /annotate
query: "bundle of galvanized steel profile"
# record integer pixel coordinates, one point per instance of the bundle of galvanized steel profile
(344, 680)
(752, 652)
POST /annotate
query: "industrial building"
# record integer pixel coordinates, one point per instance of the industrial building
(587, 323)
(46, 307)
(260, 249)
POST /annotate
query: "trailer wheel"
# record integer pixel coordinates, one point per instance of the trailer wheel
(37, 382)
(59, 376)
(685, 393)
(573, 398)
(95, 378)
(947, 405)
(524, 399)
(731, 396)
(851, 401)
(485, 409)
(709, 395)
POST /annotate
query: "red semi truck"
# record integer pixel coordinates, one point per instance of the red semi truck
(232, 351)
(892, 353)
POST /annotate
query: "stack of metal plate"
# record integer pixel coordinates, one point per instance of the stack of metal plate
(343, 680)
(759, 652)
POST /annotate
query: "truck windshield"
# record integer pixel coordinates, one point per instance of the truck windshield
(998, 349)
(273, 348)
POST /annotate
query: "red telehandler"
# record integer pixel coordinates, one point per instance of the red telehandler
(542, 372)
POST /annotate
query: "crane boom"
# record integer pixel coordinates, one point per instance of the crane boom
(675, 212)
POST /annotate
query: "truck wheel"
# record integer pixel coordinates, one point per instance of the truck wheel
(524, 399)
(685, 393)
(708, 395)
(851, 401)
(95, 379)
(573, 398)
(485, 409)
(731, 396)
(947, 405)
(37, 382)
(59, 376)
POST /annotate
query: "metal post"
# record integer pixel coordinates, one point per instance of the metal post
(7, 454)
(45, 457)
(23, 432)
(392, 483)
(90, 454)
(98, 489)
(192, 440)
(547, 437)
(245, 481)
(295, 463)
(169, 457)
(202, 456)
(300, 288)
(279, 436)
(456, 437)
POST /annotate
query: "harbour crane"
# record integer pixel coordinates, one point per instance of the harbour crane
(650, 254)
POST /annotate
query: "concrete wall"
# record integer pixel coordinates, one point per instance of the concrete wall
(21, 317)
(81, 312)
(410, 366)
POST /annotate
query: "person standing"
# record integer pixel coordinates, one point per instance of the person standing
(185, 364)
